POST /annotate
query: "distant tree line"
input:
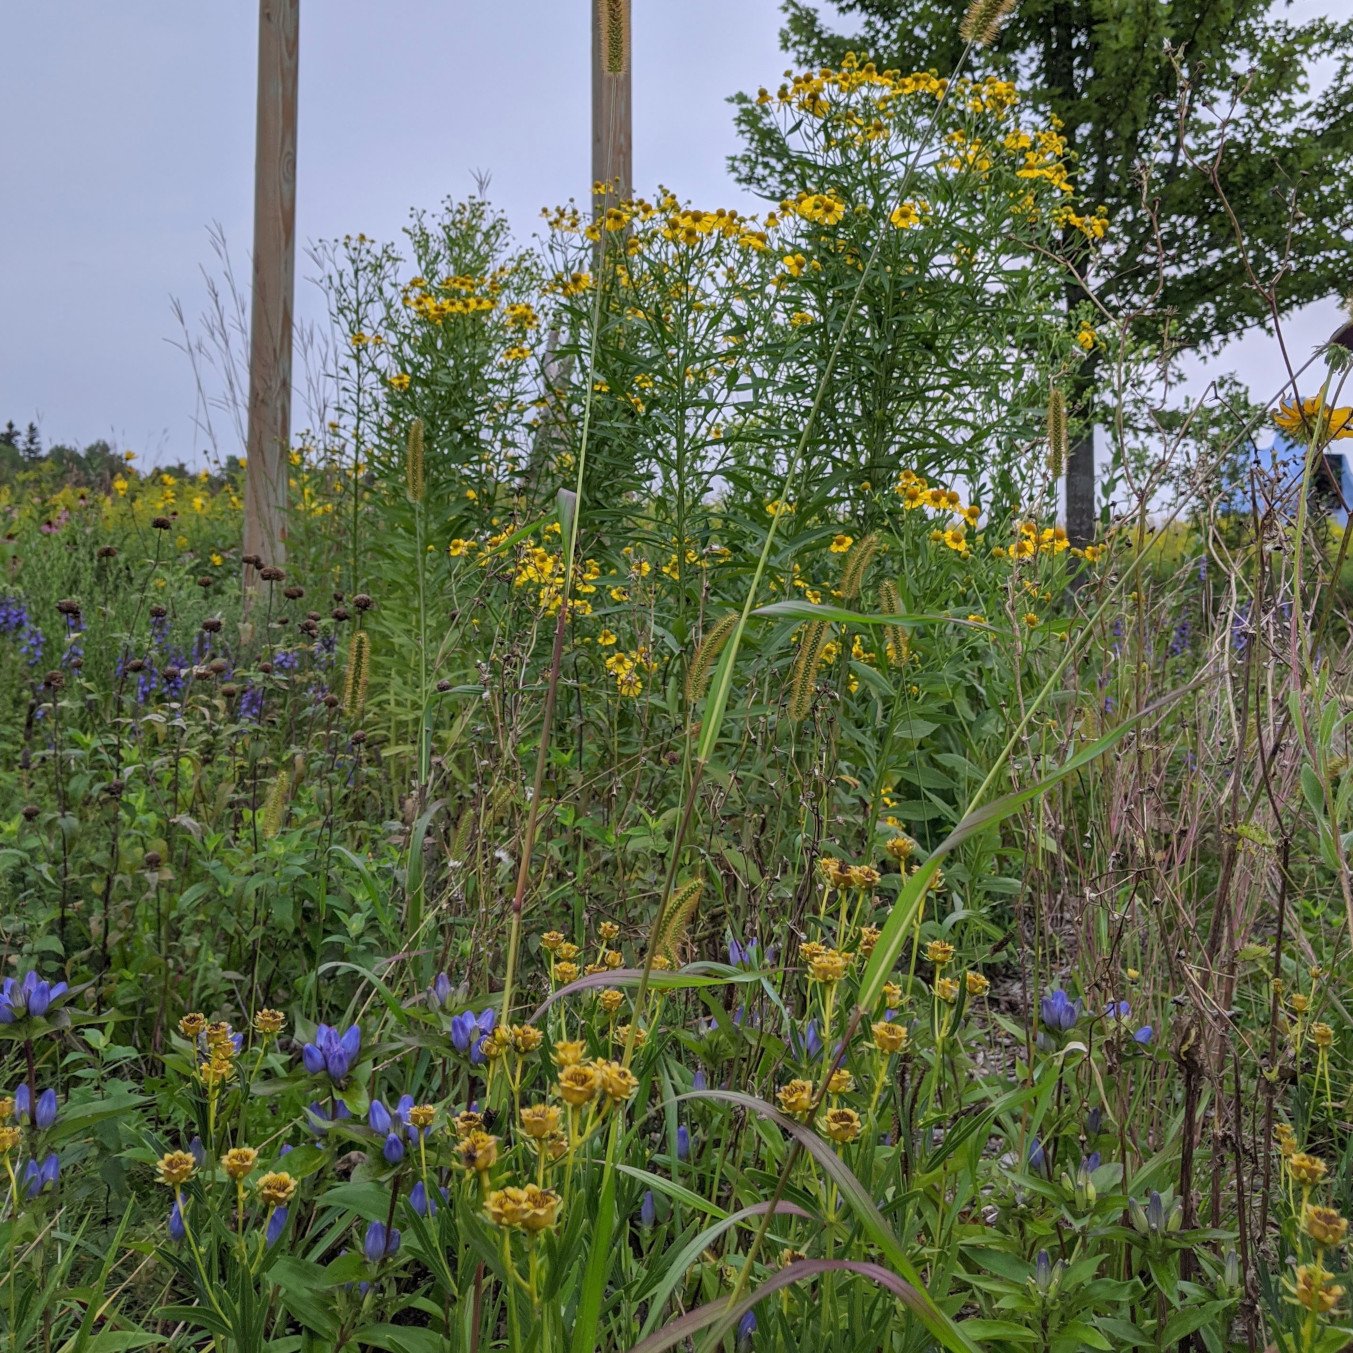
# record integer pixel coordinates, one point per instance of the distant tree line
(22, 453)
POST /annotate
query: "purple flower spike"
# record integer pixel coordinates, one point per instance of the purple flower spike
(177, 1230)
(277, 1223)
(648, 1210)
(378, 1118)
(393, 1150)
(683, 1142)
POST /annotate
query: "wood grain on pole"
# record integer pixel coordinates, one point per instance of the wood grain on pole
(612, 104)
(270, 316)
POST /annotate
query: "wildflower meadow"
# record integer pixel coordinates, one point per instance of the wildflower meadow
(685, 850)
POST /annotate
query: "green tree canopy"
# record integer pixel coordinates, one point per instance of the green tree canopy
(1157, 101)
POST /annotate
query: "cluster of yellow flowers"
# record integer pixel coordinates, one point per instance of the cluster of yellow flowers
(1031, 541)
(917, 492)
(1311, 1285)
(457, 295)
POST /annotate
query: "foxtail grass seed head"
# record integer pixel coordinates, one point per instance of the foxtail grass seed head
(984, 20)
(275, 805)
(413, 461)
(898, 645)
(613, 19)
(355, 679)
(813, 639)
(857, 563)
(1058, 441)
(685, 902)
(706, 657)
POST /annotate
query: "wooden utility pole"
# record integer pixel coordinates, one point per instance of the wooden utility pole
(270, 315)
(612, 105)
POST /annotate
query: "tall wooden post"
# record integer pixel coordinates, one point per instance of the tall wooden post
(612, 105)
(270, 314)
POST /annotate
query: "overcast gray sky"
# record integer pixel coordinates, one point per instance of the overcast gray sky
(128, 130)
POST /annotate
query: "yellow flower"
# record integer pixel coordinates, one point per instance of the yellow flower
(1315, 1290)
(618, 1082)
(422, 1115)
(569, 1053)
(277, 1188)
(1030, 619)
(892, 995)
(889, 1037)
(459, 547)
(939, 952)
(10, 1138)
(841, 543)
(539, 1121)
(904, 216)
(1305, 420)
(239, 1161)
(551, 940)
(606, 638)
(532, 1208)
(1325, 1226)
(176, 1168)
(399, 381)
(467, 1122)
(478, 1152)
(1322, 1035)
(1085, 336)
(1307, 1169)
(192, 1024)
(841, 1125)
(796, 1097)
(270, 1021)
(526, 1038)
(829, 966)
(900, 847)
(565, 972)
(608, 930)
(840, 1082)
(578, 1084)
(946, 989)
(977, 984)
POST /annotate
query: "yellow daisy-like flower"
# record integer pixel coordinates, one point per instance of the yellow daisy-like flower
(478, 1152)
(947, 990)
(939, 952)
(796, 1097)
(270, 1021)
(829, 966)
(977, 984)
(1325, 1226)
(904, 216)
(239, 1162)
(539, 1121)
(176, 1168)
(1314, 1289)
(841, 1125)
(618, 1083)
(1305, 420)
(1307, 1169)
(889, 1037)
(277, 1188)
(578, 1084)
